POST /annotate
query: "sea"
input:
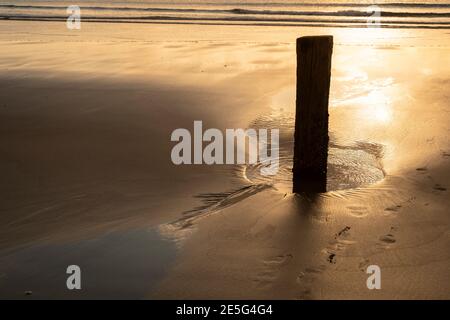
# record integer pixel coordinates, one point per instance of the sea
(426, 14)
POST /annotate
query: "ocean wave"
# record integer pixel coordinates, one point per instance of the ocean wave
(351, 16)
(229, 20)
(322, 4)
(347, 13)
(242, 11)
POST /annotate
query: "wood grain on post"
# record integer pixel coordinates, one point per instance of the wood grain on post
(311, 119)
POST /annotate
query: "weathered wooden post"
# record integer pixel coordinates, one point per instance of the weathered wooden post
(311, 119)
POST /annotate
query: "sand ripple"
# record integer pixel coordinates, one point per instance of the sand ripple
(350, 165)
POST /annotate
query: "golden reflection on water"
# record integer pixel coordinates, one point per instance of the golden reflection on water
(359, 94)
(366, 36)
(377, 106)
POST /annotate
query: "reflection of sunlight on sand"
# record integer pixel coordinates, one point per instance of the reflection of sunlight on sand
(354, 74)
(376, 107)
(365, 35)
(372, 99)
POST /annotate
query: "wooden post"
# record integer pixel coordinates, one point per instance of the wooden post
(311, 119)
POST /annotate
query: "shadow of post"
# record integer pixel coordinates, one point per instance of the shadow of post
(306, 203)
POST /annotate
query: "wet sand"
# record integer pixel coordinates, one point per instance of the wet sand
(85, 122)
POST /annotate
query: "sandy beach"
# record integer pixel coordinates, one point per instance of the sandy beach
(86, 176)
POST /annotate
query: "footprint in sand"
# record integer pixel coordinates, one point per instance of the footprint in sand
(309, 274)
(332, 258)
(270, 270)
(264, 278)
(279, 260)
(342, 239)
(363, 264)
(438, 187)
(392, 209)
(422, 170)
(358, 211)
(388, 238)
(396, 207)
(305, 280)
(342, 232)
(331, 251)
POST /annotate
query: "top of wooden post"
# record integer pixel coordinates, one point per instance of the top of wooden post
(307, 41)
